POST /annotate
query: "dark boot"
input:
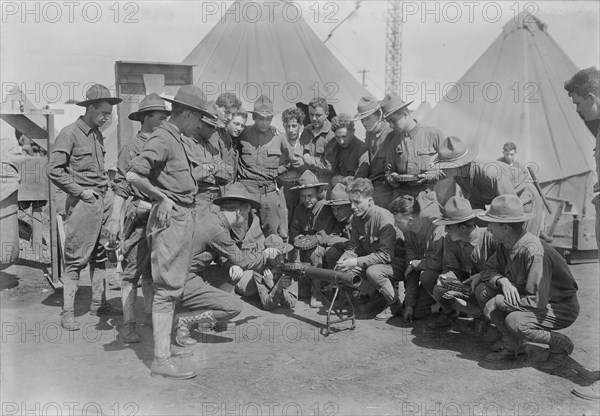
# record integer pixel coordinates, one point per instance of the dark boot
(561, 347)
(130, 334)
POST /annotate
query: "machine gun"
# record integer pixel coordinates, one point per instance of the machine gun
(343, 282)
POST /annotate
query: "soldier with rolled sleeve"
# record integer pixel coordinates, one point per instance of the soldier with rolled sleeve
(76, 167)
(163, 171)
(134, 248)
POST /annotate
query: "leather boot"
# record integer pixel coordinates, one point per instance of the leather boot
(184, 322)
(561, 347)
(67, 317)
(163, 366)
(130, 334)
(100, 306)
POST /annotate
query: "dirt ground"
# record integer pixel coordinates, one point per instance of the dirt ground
(278, 364)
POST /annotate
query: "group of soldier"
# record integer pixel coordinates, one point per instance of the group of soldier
(205, 208)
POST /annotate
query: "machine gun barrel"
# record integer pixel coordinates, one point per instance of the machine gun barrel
(331, 276)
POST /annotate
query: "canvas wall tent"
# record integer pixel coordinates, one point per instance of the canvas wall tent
(251, 51)
(514, 92)
(422, 111)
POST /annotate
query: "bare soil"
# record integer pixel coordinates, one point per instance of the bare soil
(278, 363)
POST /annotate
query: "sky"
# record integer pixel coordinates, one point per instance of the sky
(52, 50)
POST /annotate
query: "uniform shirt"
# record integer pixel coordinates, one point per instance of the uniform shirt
(536, 269)
(425, 245)
(373, 237)
(468, 258)
(319, 146)
(260, 154)
(122, 187)
(412, 152)
(307, 221)
(221, 140)
(249, 236)
(352, 160)
(214, 239)
(378, 145)
(287, 172)
(166, 164)
(484, 182)
(203, 154)
(77, 159)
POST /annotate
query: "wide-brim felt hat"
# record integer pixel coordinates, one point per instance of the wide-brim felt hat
(263, 107)
(211, 108)
(274, 241)
(97, 93)
(506, 209)
(236, 192)
(366, 106)
(392, 103)
(152, 102)
(338, 196)
(308, 180)
(192, 97)
(457, 210)
(453, 153)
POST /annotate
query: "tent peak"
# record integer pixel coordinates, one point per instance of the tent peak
(525, 20)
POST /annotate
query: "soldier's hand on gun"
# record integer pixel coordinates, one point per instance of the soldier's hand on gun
(89, 196)
(347, 264)
(235, 273)
(474, 281)
(308, 159)
(163, 213)
(511, 294)
(407, 315)
(297, 162)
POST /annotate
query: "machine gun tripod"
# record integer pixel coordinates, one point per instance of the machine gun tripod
(344, 282)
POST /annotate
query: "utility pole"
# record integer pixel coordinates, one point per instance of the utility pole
(363, 72)
(393, 52)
